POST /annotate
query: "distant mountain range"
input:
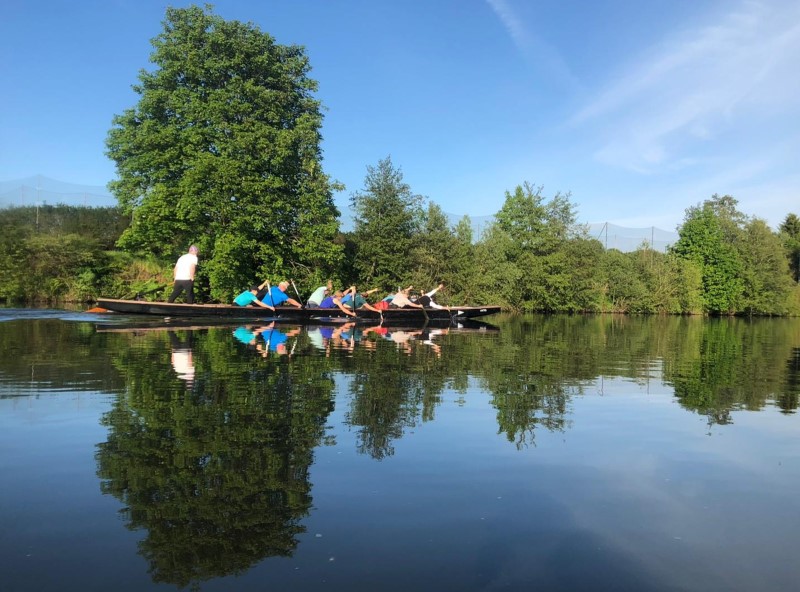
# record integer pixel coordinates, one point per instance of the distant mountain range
(44, 190)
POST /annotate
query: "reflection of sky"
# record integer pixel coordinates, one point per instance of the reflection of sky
(55, 526)
(635, 491)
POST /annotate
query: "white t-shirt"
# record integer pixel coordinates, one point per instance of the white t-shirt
(318, 296)
(184, 268)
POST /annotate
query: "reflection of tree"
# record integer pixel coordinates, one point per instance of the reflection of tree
(527, 405)
(720, 365)
(217, 475)
(788, 399)
(527, 375)
(391, 392)
(53, 354)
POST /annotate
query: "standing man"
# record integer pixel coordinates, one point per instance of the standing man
(184, 276)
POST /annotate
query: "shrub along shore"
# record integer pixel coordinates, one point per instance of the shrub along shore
(532, 258)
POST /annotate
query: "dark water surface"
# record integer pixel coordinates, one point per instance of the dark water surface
(544, 453)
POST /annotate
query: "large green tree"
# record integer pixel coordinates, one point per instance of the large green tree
(707, 240)
(767, 283)
(388, 217)
(790, 232)
(526, 248)
(223, 150)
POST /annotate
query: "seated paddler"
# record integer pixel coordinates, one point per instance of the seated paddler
(250, 297)
(276, 295)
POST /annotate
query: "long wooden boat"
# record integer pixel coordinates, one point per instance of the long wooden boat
(288, 313)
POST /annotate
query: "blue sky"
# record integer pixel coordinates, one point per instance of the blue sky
(639, 109)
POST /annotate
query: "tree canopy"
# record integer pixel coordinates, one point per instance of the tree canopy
(741, 260)
(223, 150)
(790, 231)
(388, 218)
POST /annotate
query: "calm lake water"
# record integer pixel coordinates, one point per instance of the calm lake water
(540, 453)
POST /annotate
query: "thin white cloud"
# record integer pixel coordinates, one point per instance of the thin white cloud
(531, 47)
(511, 22)
(700, 84)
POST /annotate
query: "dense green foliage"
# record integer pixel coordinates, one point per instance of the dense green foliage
(742, 262)
(387, 223)
(532, 258)
(223, 150)
(790, 234)
(52, 253)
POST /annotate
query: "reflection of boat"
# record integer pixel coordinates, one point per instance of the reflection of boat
(390, 316)
(188, 324)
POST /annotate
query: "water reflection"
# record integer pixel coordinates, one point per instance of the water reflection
(268, 338)
(212, 436)
(284, 339)
(216, 476)
(182, 361)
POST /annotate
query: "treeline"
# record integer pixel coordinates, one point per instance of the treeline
(533, 257)
(60, 253)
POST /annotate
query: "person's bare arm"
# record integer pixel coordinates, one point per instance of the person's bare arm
(343, 308)
(368, 306)
(258, 302)
(294, 303)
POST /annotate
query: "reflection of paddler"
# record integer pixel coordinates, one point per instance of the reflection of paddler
(402, 339)
(183, 364)
(427, 339)
(402, 336)
(245, 335)
(181, 356)
(274, 339)
(343, 336)
(315, 338)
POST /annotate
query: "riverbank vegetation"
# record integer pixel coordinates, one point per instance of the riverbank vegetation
(533, 257)
(223, 150)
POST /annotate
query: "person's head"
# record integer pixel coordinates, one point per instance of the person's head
(330, 286)
(282, 286)
(254, 289)
(338, 294)
(194, 250)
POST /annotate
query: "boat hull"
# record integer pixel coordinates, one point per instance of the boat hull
(286, 313)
